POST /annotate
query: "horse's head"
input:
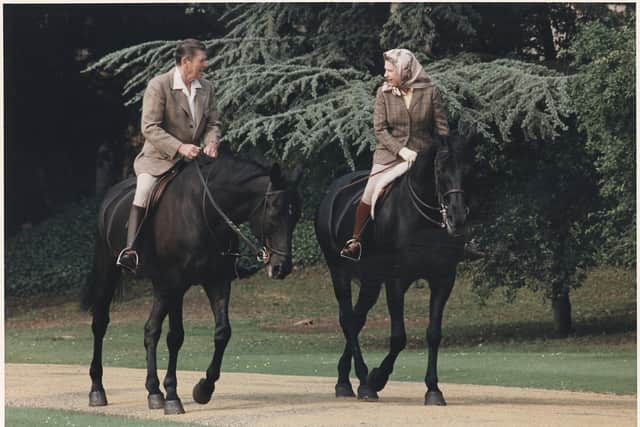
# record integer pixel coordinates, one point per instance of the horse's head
(450, 167)
(275, 220)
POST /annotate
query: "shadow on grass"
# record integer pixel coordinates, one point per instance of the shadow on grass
(614, 329)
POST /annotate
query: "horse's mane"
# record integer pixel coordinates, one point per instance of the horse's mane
(242, 170)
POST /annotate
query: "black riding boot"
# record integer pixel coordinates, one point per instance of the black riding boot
(128, 258)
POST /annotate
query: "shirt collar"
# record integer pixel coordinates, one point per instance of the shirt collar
(178, 83)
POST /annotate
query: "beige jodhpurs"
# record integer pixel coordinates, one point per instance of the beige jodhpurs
(144, 184)
(374, 180)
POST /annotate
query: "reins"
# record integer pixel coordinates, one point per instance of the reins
(263, 254)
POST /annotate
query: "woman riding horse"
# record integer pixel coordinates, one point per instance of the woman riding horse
(407, 112)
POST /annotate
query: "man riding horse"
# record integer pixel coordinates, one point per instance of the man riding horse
(179, 116)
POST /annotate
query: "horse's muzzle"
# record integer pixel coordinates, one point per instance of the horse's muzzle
(279, 270)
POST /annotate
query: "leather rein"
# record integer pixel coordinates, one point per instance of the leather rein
(262, 254)
(419, 204)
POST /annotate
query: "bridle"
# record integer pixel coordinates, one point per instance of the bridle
(419, 204)
(262, 254)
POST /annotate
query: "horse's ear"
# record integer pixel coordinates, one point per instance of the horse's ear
(276, 175)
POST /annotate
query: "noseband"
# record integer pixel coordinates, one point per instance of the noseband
(266, 249)
(419, 204)
(263, 254)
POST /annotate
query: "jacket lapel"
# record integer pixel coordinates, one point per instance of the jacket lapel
(417, 95)
(181, 100)
(199, 109)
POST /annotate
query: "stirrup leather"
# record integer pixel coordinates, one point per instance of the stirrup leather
(126, 267)
(349, 243)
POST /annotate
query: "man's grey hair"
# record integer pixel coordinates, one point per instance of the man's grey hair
(187, 49)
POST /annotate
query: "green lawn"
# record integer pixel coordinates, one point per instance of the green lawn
(29, 417)
(485, 342)
(556, 364)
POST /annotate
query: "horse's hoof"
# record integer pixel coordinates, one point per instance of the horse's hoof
(367, 394)
(155, 401)
(98, 398)
(173, 407)
(202, 393)
(434, 397)
(344, 390)
(377, 379)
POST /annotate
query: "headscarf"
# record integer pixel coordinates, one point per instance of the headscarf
(412, 75)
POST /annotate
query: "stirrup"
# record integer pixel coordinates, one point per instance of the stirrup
(349, 243)
(129, 268)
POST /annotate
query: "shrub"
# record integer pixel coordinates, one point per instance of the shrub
(55, 256)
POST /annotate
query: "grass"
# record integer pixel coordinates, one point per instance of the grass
(554, 365)
(491, 342)
(29, 417)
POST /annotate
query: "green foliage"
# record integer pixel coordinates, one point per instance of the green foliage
(537, 237)
(55, 256)
(604, 99)
(306, 250)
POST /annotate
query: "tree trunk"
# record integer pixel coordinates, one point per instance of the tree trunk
(546, 33)
(561, 306)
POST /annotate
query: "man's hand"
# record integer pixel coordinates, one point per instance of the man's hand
(408, 155)
(189, 151)
(211, 150)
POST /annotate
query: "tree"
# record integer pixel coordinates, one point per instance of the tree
(604, 100)
(297, 83)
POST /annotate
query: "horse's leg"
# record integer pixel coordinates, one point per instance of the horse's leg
(175, 338)
(367, 297)
(104, 280)
(395, 291)
(440, 291)
(152, 331)
(342, 289)
(218, 294)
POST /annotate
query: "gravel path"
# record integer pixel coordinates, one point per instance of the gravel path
(278, 400)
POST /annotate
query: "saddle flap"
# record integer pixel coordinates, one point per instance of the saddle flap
(159, 188)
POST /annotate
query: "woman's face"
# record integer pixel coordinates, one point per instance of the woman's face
(391, 75)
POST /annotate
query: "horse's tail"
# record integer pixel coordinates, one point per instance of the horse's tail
(103, 280)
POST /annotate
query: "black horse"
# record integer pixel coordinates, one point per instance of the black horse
(417, 233)
(186, 242)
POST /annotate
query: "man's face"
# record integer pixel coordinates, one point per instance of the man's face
(195, 66)
(391, 75)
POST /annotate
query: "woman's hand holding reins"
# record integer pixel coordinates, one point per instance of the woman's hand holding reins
(408, 155)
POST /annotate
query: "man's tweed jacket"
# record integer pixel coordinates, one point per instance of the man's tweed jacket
(167, 123)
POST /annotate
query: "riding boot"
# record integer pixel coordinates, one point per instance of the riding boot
(472, 251)
(353, 248)
(128, 258)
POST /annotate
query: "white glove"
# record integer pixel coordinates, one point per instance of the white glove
(408, 155)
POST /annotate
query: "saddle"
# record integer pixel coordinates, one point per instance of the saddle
(159, 188)
(354, 197)
(120, 196)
